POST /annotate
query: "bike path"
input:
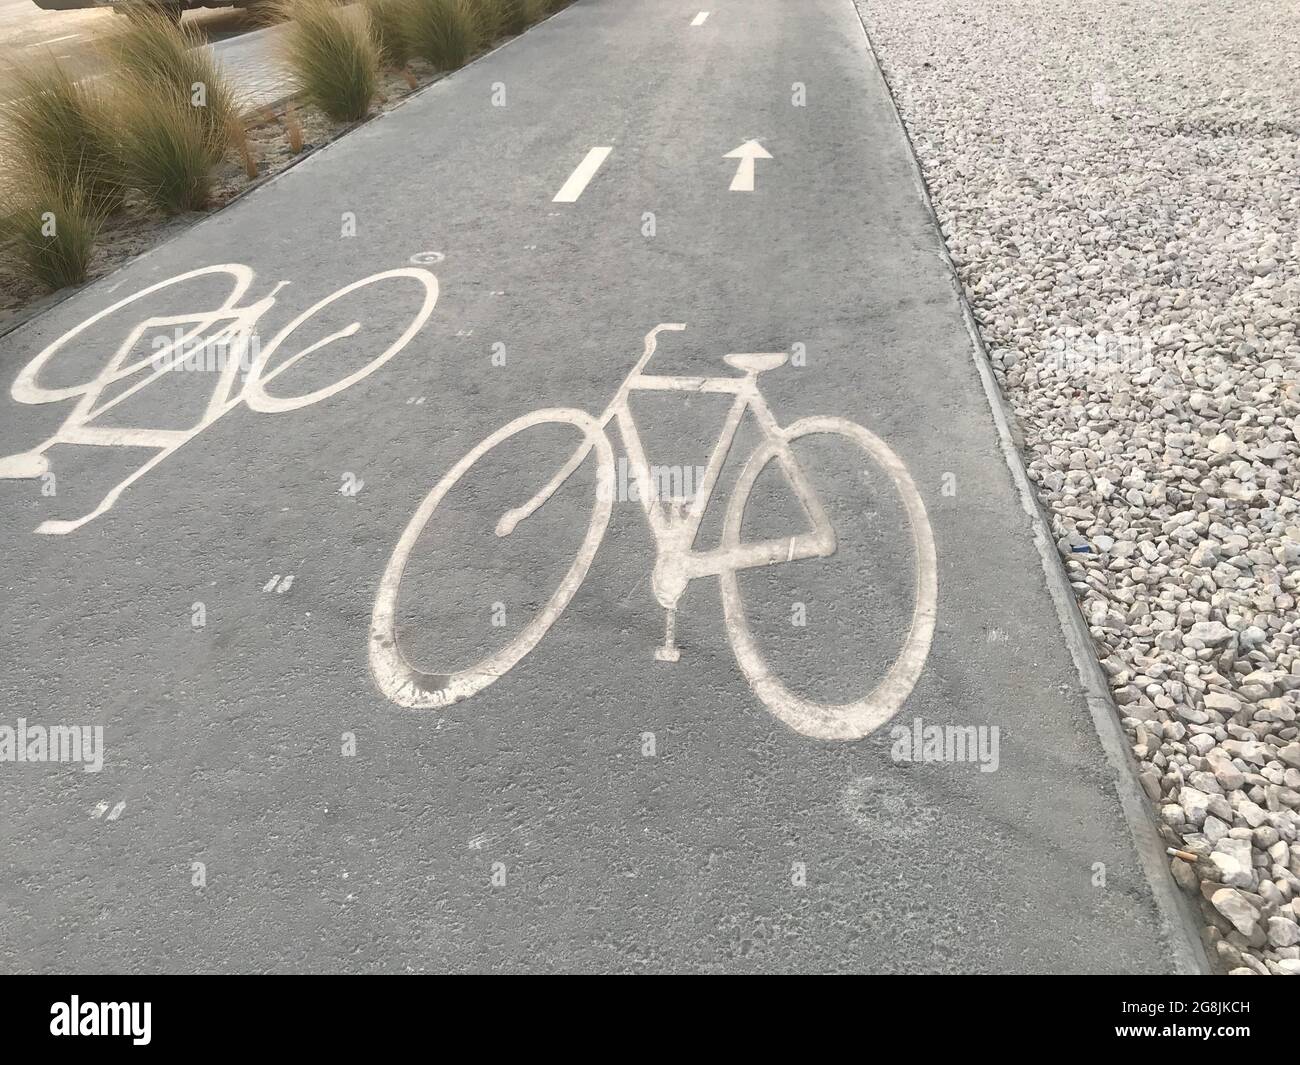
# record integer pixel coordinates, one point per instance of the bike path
(593, 808)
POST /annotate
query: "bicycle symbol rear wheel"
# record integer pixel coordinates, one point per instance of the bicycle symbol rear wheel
(27, 386)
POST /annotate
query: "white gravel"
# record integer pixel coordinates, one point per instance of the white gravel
(1119, 185)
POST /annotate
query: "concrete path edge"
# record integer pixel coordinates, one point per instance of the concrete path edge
(1181, 923)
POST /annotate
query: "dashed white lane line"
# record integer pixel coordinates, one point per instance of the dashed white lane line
(578, 180)
(56, 40)
(699, 19)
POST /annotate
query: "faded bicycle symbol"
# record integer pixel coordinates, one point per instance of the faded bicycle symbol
(229, 325)
(674, 525)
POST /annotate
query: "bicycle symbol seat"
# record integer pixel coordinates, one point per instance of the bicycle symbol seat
(756, 363)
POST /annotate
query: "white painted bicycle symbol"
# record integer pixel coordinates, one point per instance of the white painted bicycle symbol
(236, 327)
(674, 525)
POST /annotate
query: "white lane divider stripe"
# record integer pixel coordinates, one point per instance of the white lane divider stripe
(578, 180)
(699, 19)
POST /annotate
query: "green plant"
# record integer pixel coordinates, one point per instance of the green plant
(515, 15)
(386, 22)
(445, 32)
(332, 59)
(51, 229)
(56, 132)
(168, 151)
(489, 20)
(518, 16)
(150, 49)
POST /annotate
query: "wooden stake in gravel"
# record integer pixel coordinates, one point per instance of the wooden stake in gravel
(239, 138)
(292, 128)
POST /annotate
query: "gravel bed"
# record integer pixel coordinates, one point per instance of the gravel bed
(1119, 185)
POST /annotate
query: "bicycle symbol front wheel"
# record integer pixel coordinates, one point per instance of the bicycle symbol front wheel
(857, 718)
(409, 686)
(255, 393)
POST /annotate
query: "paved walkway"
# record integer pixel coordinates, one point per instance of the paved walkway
(360, 712)
(252, 60)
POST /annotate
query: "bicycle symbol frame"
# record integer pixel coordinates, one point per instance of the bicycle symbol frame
(674, 525)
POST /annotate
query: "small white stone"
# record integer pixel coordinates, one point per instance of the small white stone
(1283, 932)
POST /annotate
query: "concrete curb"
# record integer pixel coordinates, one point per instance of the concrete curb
(1181, 924)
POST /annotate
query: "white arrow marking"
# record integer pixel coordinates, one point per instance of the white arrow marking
(746, 153)
(578, 179)
(699, 19)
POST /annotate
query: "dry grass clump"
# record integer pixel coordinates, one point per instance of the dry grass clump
(446, 33)
(333, 60)
(50, 230)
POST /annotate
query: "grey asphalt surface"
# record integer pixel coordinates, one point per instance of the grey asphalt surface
(224, 742)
